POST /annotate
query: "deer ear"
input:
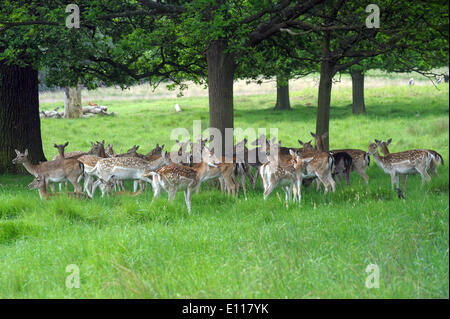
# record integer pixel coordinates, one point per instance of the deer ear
(309, 142)
(54, 145)
(377, 141)
(389, 141)
(103, 142)
(162, 146)
(17, 152)
(313, 135)
(291, 152)
(65, 144)
(26, 152)
(300, 142)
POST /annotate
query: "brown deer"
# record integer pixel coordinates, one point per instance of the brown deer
(54, 171)
(62, 154)
(40, 184)
(288, 177)
(222, 169)
(360, 161)
(342, 161)
(402, 163)
(174, 177)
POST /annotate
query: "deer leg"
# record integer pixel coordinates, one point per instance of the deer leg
(188, 195)
(392, 180)
(244, 187)
(220, 183)
(76, 185)
(94, 187)
(172, 193)
(235, 179)
(299, 192)
(317, 185)
(230, 184)
(362, 172)
(424, 174)
(324, 181)
(347, 177)
(255, 179)
(52, 187)
(403, 177)
(269, 190)
(332, 183)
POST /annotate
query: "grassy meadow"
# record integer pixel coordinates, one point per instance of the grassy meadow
(131, 247)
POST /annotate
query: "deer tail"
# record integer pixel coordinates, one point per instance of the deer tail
(367, 158)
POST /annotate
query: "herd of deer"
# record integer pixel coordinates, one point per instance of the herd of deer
(287, 167)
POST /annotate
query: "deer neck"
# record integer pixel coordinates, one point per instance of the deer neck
(379, 160)
(102, 153)
(202, 169)
(43, 192)
(30, 167)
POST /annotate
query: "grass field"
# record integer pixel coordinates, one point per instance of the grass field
(131, 247)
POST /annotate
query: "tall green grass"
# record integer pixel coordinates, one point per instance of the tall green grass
(133, 247)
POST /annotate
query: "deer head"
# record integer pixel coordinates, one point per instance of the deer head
(21, 157)
(307, 146)
(37, 183)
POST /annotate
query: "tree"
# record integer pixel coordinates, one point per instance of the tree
(72, 102)
(282, 93)
(346, 40)
(130, 41)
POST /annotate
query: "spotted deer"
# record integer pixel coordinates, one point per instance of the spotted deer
(360, 161)
(54, 171)
(342, 161)
(289, 177)
(156, 151)
(402, 163)
(175, 177)
(222, 170)
(40, 183)
(320, 166)
(126, 168)
(432, 169)
(109, 150)
(96, 153)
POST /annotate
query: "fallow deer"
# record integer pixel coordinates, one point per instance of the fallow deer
(40, 184)
(432, 169)
(360, 161)
(223, 169)
(126, 168)
(174, 177)
(54, 171)
(289, 177)
(342, 161)
(62, 154)
(402, 163)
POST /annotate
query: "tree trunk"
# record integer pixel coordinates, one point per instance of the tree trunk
(282, 94)
(20, 126)
(324, 96)
(359, 106)
(72, 102)
(221, 67)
